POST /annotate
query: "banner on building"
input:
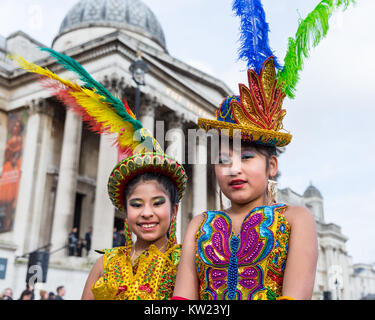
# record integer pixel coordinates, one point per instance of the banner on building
(11, 170)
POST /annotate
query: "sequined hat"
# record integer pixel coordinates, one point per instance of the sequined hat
(256, 114)
(137, 164)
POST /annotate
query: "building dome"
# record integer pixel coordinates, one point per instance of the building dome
(132, 15)
(312, 192)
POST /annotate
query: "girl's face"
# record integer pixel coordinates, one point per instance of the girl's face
(243, 176)
(149, 211)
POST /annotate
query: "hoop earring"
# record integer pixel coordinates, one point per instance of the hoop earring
(128, 236)
(271, 192)
(172, 238)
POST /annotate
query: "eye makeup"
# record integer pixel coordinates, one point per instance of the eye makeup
(159, 201)
(224, 159)
(135, 203)
(247, 154)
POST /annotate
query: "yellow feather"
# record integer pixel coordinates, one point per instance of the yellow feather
(32, 67)
(101, 111)
(92, 102)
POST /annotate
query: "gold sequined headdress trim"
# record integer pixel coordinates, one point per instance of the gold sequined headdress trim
(137, 164)
(257, 112)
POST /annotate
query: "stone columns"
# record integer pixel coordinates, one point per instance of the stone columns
(147, 113)
(44, 149)
(200, 178)
(104, 211)
(66, 185)
(31, 190)
(176, 148)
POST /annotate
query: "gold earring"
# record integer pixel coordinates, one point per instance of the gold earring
(221, 201)
(172, 238)
(271, 192)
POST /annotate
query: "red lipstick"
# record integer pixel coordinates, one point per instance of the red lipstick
(237, 183)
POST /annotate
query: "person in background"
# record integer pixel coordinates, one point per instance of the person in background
(51, 296)
(30, 288)
(88, 240)
(60, 293)
(26, 295)
(80, 246)
(43, 295)
(72, 241)
(7, 294)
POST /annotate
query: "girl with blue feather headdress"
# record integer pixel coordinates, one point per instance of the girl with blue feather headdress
(257, 249)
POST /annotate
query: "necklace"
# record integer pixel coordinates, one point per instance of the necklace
(160, 249)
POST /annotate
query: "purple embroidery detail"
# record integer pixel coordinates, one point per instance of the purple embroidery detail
(249, 273)
(249, 278)
(248, 283)
(217, 242)
(212, 255)
(218, 274)
(216, 284)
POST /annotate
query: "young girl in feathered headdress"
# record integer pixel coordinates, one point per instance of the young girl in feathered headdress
(146, 185)
(256, 249)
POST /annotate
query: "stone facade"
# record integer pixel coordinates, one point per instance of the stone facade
(336, 276)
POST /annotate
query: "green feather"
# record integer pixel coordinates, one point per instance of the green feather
(72, 65)
(310, 32)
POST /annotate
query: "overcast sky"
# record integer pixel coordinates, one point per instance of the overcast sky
(331, 118)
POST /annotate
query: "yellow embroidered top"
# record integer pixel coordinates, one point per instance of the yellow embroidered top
(248, 266)
(151, 278)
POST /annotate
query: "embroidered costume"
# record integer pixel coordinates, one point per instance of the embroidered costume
(154, 272)
(247, 266)
(251, 265)
(152, 276)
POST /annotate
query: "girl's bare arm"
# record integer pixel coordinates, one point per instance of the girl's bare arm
(302, 255)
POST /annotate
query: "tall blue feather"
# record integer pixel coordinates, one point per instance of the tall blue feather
(254, 46)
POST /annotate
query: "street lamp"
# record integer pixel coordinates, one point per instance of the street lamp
(138, 69)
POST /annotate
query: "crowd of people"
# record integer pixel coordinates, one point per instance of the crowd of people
(28, 294)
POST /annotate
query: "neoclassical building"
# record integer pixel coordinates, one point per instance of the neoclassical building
(54, 171)
(336, 277)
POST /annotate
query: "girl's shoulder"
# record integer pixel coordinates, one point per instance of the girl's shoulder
(296, 215)
(196, 222)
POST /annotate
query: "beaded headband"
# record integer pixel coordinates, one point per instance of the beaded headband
(137, 164)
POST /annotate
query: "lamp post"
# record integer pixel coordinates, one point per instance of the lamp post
(138, 69)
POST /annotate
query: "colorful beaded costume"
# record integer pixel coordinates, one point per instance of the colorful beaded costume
(151, 278)
(248, 266)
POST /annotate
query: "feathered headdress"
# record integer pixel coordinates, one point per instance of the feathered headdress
(139, 151)
(103, 112)
(258, 112)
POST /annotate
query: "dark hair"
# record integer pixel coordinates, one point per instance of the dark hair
(59, 288)
(25, 293)
(162, 179)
